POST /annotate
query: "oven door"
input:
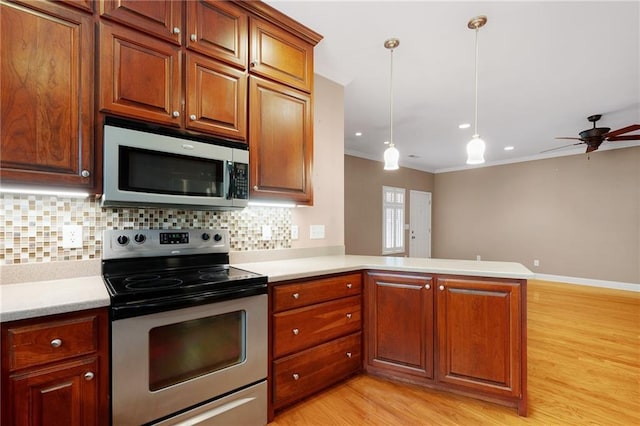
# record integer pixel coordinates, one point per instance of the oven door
(171, 361)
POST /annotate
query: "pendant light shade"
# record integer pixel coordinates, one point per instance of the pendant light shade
(476, 146)
(391, 154)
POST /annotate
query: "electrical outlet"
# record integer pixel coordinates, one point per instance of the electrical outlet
(478, 257)
(266, 232)
(295, 232)
(316, 232)
(72, 236)
(536, 262)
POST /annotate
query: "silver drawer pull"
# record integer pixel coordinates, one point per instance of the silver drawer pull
(88, 375)
(349, 355)
(176, 30)
(295, 331)
(296, 376)
(56, 343)
(348, 316)
(295, 295)
(349, 285)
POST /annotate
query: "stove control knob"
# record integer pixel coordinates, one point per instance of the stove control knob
(217, 237)
(139, 238)
(205, 236)
(123, 240)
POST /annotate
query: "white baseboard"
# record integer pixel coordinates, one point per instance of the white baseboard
(616, 285)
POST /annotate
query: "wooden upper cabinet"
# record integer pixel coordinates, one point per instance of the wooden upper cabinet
(479, 335)
(280, 142)
(216, 97)
(86, 5)
(161, 18)
(140, 76)
(219, 30)
(46, 130)
(279, 55)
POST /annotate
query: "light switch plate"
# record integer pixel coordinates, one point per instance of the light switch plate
(295, 232)
(316, 232)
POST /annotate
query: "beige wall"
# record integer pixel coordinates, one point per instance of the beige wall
(363, 181)
(328, 176)
(579, 216)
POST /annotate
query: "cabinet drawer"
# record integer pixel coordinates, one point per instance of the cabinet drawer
(305, 327)
(290, 296)
(306, 372)
(51, 341)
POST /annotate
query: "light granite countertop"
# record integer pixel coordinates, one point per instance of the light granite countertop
(40, 298)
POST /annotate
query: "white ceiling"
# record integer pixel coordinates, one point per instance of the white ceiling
(543, 68)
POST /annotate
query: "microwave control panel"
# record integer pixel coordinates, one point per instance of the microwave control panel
(240, 181)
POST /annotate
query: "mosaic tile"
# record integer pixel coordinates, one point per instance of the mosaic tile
(31, 229)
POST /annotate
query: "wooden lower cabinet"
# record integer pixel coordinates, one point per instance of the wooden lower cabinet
(316, 330)
(457, 333)
(55, 370)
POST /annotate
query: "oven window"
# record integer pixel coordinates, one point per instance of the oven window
(158, 172)
(182, 351)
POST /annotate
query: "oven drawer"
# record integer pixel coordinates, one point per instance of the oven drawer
(307, 372)
(305, 293)
(43, 342)
(302, 328)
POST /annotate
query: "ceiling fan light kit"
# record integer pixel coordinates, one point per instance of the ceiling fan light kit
(391, 154)
(476, 146)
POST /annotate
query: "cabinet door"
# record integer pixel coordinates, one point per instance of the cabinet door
(219, 30)
(479, 332)
(281, 56)
(139, 75)
(65, 394)
(160, 18)
(280, 142)
(216, 97)
(46, 130)
(399, 329)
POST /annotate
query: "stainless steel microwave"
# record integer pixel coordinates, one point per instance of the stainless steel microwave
(148, 169)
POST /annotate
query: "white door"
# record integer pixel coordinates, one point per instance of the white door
(419, 224)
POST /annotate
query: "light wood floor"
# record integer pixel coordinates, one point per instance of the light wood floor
(583, 365)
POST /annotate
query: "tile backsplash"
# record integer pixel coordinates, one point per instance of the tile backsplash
(32, 226)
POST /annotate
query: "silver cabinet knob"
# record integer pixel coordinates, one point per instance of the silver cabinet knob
(441, 287)
(296, 376)
(85, 173)
(193, 117)
(427, 286)
(56, 343)
(349, 355)
(254, 63)
(295, 296)
(295, 331)
(176, 114)
(349, 285)
(176, 30)
(255, 187)
(194, 37)
(89, 375)
(349, 316)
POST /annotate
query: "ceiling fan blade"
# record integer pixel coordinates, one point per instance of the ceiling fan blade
(562, 137)
(591, 148)
(627, 129)
(625, 138)
(560, 147)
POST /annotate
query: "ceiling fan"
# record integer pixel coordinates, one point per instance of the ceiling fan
(595, 136)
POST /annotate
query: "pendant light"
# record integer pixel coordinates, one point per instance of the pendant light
(476, 146)
(391, 154)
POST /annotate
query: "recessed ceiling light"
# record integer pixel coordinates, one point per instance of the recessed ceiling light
(464, 126)
(358, 133)
(414, 156)
(508, 148)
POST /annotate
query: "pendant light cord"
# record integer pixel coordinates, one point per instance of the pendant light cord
(475, 118)
(391, 102)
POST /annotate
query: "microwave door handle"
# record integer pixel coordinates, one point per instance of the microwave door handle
(231, 186)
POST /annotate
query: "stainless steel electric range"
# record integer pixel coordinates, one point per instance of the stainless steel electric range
(188, 332)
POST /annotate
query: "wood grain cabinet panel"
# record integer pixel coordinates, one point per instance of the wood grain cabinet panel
(46, 131)
(217, 101)
(161, 18)
(219, 30)
(280, 56)
(400, 315)
(296, 295)
(55, 370)
(479, 335)
(280, 142)
(140, 76)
